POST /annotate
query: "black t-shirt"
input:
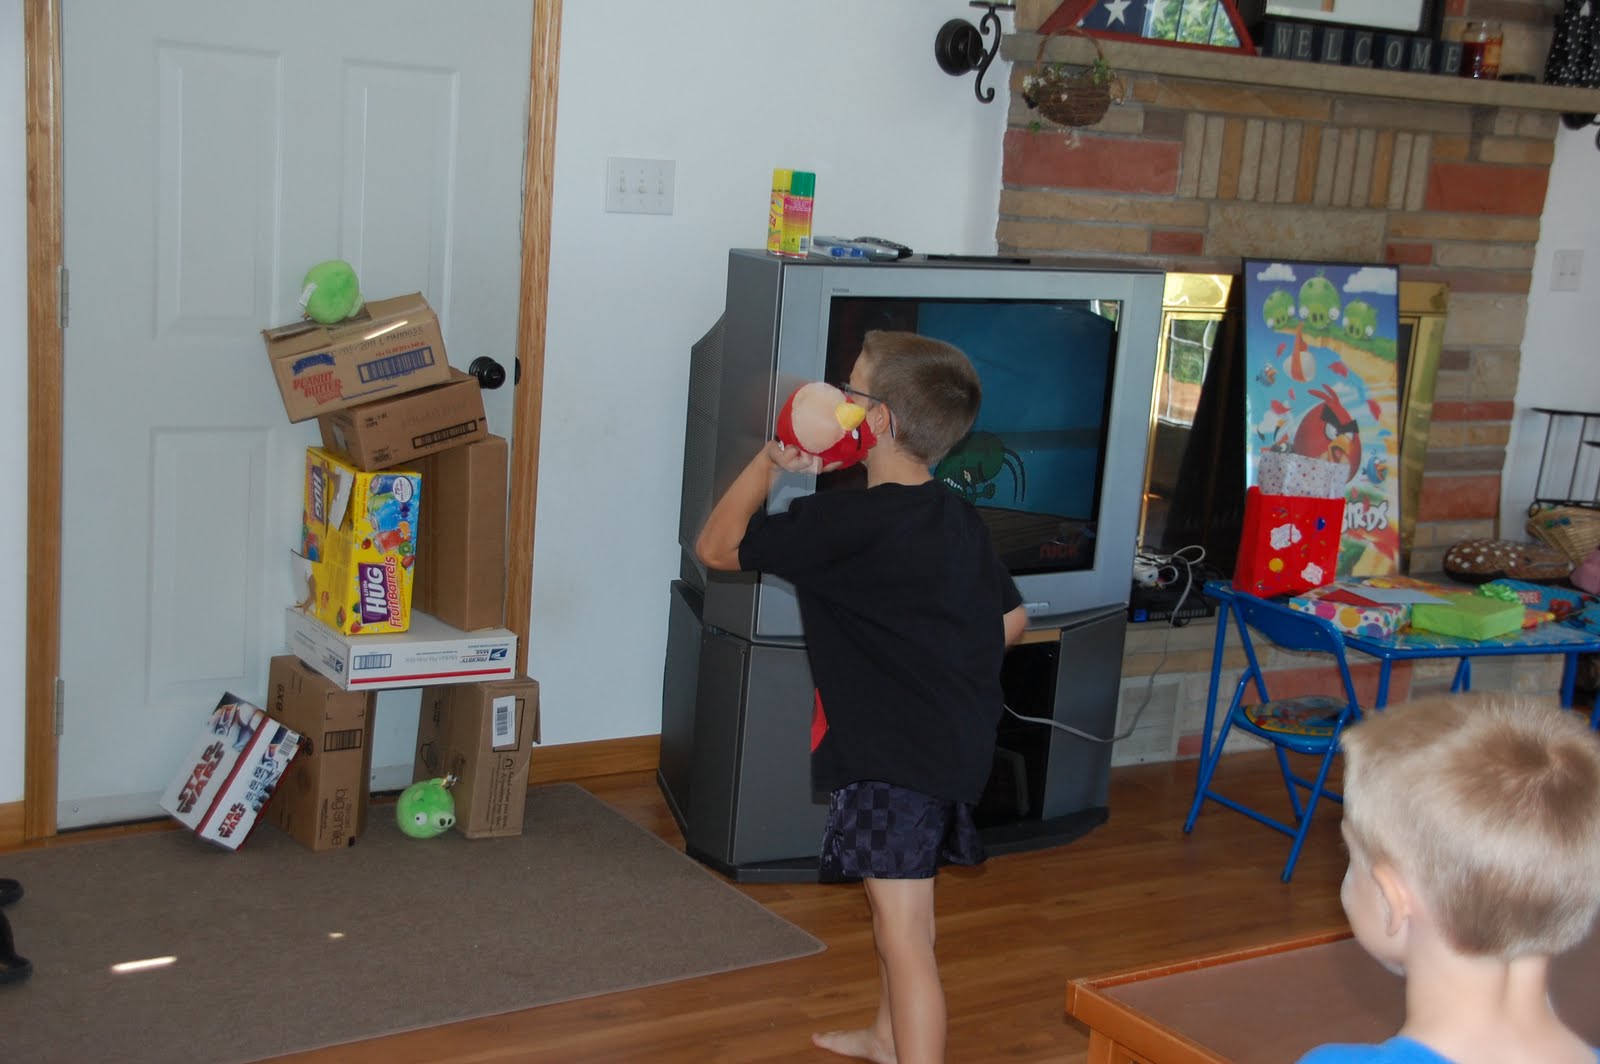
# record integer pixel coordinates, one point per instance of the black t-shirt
(901, 595)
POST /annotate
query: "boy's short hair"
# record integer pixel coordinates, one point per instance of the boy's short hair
(930, 388)
(1489, 806)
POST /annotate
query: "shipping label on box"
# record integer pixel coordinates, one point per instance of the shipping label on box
(403, 428)
(392, 346)
(429, 654)
(322, 798)
(221, 788)
(359, 540)
(480, 736)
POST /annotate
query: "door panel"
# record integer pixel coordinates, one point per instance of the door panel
(212, 154)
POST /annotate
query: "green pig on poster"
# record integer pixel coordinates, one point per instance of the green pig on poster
(1321, 381)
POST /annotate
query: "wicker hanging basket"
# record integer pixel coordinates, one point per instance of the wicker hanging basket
(1071, 97)
(1573, 530)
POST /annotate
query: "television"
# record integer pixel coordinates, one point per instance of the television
(1055, 463)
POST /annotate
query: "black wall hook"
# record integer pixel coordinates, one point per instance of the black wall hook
(959, 46)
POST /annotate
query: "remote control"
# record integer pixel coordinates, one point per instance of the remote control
(900, 250)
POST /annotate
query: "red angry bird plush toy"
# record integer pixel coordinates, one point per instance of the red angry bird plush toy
(824, 421)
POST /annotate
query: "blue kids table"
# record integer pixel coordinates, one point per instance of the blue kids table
(1553, 638)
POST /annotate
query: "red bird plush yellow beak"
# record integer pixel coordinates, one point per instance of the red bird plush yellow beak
(821, 420)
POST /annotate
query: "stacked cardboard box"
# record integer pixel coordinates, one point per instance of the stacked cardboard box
(408, 473)
(479, 738)
(322, 798)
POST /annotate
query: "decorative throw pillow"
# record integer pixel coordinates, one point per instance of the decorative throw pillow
(1476, 561)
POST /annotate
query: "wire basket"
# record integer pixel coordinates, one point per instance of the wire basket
(1573, 530)
(1071, 97)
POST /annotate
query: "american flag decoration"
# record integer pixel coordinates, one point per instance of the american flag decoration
(1209, 24)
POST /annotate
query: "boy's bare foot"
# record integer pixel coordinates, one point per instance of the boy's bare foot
(863, 1044)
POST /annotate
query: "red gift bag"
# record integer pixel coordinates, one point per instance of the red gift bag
(1290, 543)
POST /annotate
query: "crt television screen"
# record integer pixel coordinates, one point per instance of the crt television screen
(1034, 459)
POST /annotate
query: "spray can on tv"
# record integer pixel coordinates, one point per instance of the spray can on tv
(780, 190)
(797, 205)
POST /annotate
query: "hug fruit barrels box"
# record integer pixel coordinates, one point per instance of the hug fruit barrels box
(358, 536)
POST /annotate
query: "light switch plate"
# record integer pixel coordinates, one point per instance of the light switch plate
(639, 186)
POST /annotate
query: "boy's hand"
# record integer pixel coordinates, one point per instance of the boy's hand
(794, 460)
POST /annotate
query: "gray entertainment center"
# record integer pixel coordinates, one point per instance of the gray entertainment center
(737, 693)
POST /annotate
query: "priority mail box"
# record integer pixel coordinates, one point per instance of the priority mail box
(460, 574)
(322, 799)
(230, 773)
(430, 653)
(403, 428)
(391, 346)
(480, 736)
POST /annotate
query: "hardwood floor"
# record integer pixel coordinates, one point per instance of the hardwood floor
(1134, 892)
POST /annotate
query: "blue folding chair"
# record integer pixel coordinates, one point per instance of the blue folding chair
(1306, 724)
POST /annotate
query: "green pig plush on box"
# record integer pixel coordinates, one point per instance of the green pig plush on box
(330, 293)
(426, 808)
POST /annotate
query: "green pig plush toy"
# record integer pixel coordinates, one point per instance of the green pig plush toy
(330, 293)
(426, 808)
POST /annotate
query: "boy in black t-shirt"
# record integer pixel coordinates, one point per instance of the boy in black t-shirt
(907, 613)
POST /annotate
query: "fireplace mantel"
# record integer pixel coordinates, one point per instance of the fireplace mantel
(1206, 65)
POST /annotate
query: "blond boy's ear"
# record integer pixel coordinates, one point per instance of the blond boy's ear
(1399, 902)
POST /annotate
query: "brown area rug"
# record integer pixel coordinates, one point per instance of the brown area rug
(280, 949)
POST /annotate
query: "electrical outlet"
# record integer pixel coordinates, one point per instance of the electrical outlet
(1566, 274)
(639, 186)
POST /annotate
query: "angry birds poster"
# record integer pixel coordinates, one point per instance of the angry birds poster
(1321, 381)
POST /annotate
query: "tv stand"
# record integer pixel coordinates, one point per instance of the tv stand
(735, 742)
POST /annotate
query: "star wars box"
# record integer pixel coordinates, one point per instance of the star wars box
(322, 798)
(231, 772)
(390, 346)
(482, 735)
(358, 543)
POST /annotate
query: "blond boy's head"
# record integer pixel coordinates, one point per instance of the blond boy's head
(1489, 806)
(929, 386)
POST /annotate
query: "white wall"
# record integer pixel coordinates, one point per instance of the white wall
(1560, 352)
(13, 400)
(728, 89)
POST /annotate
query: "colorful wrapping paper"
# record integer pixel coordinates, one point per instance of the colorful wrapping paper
(1341, 604)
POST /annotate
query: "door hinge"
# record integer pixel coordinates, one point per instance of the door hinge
(61, 706)
(63, 295)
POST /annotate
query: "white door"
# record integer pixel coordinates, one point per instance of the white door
(213, 152)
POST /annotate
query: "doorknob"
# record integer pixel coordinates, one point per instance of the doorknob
(490, 373)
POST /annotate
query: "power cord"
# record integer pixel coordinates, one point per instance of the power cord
(1164, 570)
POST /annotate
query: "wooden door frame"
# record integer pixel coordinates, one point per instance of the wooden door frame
(41, 20)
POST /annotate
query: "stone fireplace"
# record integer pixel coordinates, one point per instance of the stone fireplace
(1213, 157)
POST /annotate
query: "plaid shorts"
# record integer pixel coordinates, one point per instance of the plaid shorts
(879, 831)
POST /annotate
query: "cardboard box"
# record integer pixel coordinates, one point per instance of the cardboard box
(391, 346)
(1342, 605)
(322, 798)
(403, 428)
(230, 773)
(359, 543)
(461, 548)
(430, 653)
(482, 734)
